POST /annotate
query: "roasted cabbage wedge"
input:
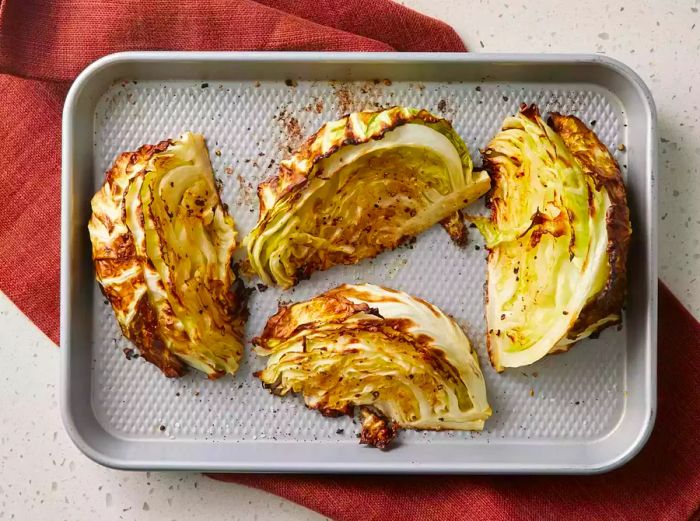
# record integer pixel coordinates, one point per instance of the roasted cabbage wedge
(361, 185)
(400, 360)
(558, 237)
(162, 243)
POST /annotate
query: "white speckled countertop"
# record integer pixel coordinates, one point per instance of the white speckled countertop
(43, 476)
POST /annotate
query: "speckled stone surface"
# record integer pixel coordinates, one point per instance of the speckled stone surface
(42, 476)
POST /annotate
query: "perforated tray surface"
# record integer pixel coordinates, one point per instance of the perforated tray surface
(575, 400)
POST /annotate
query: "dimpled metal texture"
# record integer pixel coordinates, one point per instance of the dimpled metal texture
(249, 127)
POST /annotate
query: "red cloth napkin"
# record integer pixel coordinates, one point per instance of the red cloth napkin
(44, 44)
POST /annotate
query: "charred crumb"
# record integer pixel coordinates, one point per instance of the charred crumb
(340, 431)
(261, 287)
(505, 98)
(344, 98)
(162, 428)
(375, 312)
(442, 105)
(290, 83)
(128, 353)
(205, 85)
(377, 430)
(477, 88)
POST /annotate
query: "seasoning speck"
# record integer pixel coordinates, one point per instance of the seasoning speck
(162, 428)
(290, 83)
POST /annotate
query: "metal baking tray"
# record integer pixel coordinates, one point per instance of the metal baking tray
(585, 411)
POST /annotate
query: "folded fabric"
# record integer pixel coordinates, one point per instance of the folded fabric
(44, 44)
